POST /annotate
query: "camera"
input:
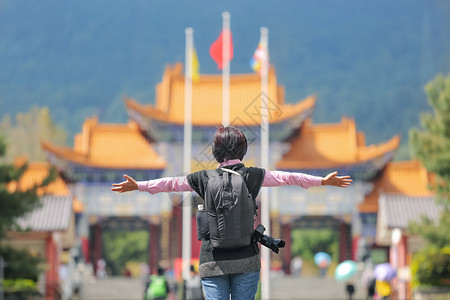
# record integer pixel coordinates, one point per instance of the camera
(267, 241)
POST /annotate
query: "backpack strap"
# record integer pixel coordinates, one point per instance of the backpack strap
(227, 179)
(212, 174)
(230, 171)
(241, 171)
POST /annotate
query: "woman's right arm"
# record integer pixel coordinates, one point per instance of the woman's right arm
(279, 178)
(154, 186)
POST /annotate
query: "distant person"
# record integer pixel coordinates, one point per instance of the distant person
(101, 268)
(230, 271)
(158, 288)
(323, 267)
(193, 286)
(296, 266)
(127, 273)
(383, 290)
(350, 289)
(371, 288)
(369, 281)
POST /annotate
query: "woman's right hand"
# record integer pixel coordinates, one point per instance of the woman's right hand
(125, 186)
(333, 179)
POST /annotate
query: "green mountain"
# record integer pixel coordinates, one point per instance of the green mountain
(366, 60)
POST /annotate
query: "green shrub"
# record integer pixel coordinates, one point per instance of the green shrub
(124, 246)
(22, 285)
(431, 267)
(307, 242)
(20, 264)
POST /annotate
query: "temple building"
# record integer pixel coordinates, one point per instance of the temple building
(102, 153)
(151, 146)
(400, 194)
(48, 231)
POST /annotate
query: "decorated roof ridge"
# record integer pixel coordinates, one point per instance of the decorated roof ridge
(176, 71)
(408, 178)
(34, 175)
(276, 115)
(109, 146)
(65, 153)
(245, 100)
(82, 140)
(332, 145)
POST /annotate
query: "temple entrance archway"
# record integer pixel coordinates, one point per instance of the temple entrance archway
(328, 234)
(119, 240)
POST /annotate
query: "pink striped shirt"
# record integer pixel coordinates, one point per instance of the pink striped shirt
(271, 179)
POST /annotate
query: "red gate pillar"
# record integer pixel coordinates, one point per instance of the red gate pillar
(51, 276)
(287, 254)
(153, 246)
(97, 244)
(345, 248)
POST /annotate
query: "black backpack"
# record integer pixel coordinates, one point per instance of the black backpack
(230, 210)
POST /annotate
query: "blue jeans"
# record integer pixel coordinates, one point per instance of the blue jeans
(241, 286)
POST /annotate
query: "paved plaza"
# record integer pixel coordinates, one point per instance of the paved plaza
(282, 287)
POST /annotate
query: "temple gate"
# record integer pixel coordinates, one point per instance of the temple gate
(151, 146)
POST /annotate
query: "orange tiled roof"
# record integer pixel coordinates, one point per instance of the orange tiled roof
(409, 178)
(245, 100)
(112, 146)
(35, 173)
(330, 146)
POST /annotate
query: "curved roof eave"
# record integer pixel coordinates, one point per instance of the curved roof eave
(289, 111)
(373, 152)
(67, 154)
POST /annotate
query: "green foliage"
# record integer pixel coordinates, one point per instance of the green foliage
(436, 233)
(431, 267)
(15, 204)
(15, 285)
(307, 242)
(121, 247)
(29, 130)
(431, 145)
(20, 264)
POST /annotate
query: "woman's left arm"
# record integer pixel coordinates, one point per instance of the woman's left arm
(279, 178)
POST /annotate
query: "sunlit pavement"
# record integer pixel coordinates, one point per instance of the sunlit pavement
(112, 288)
(305, 288)
(281, 287)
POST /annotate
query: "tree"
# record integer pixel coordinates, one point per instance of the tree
(21, 264)
(307, 242)
(125, 246)
(24, 136)
(431, 145)
(15, 202)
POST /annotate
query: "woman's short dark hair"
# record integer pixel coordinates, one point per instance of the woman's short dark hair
(229, 143)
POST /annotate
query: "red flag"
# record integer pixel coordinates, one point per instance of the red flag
(216, 50)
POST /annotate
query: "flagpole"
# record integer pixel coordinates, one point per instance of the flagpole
(226, 69)
(187, 145)
(265, 214)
